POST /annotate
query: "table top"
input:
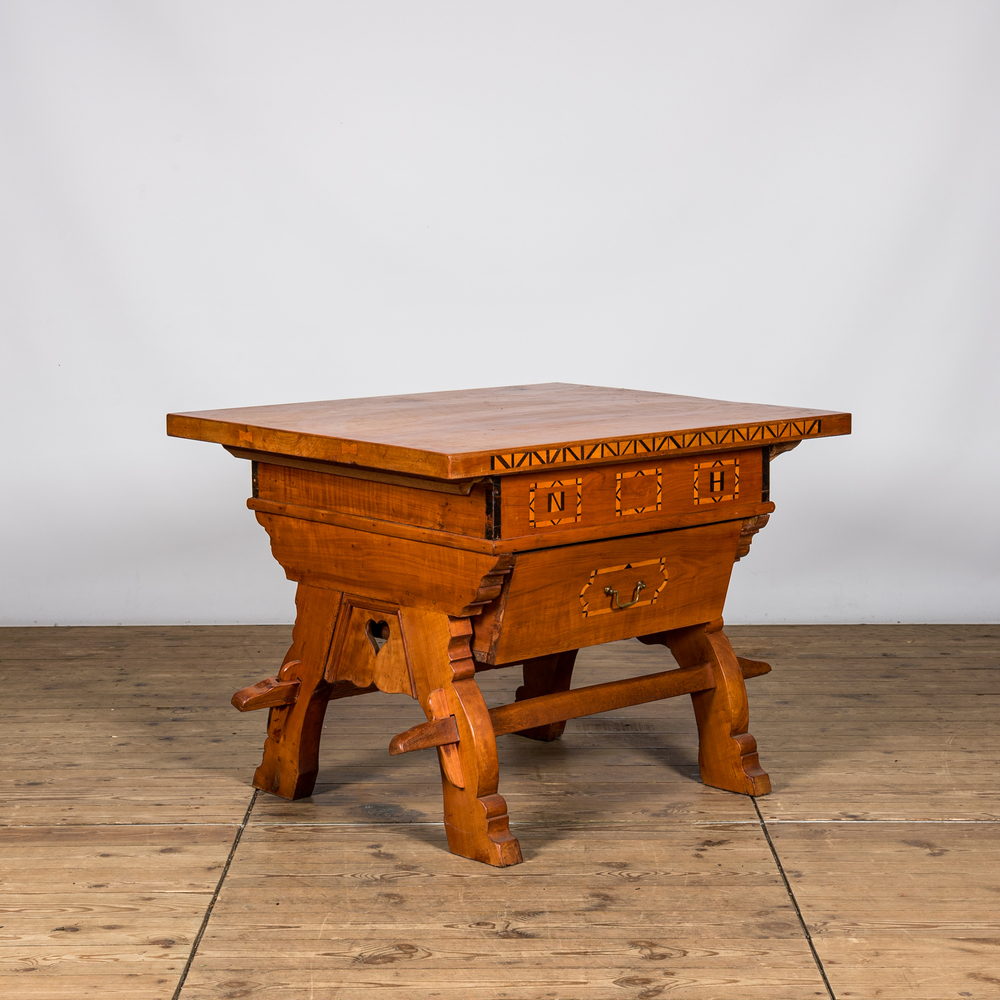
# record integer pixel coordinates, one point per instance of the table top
(482, 432)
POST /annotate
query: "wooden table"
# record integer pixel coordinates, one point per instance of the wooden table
(436, 535)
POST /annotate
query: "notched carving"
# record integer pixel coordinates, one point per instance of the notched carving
(490, 585)
(780, 449)
(751, 526)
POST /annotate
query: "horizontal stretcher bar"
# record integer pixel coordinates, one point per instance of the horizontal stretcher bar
(605, 697)
(564, 705)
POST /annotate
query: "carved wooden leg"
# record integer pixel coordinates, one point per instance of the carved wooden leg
(475, 816)
(291, 751)
(727, 753)
(546, 675)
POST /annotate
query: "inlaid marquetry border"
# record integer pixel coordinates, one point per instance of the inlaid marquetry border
(572, 508)
(751, 434)
(729, 463)
(601, 596)
(651, 471)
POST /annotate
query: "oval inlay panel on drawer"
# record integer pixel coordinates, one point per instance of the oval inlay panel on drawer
(621, 588)
(554, 598)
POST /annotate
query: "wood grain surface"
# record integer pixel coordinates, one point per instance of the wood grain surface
(479, 432)
(457, 513)
(605, 497)
(555, 599)
(450, 580)
(127, 785)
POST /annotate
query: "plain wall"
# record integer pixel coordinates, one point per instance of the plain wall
(210, 204)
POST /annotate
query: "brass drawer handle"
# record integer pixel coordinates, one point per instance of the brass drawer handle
(635, 597)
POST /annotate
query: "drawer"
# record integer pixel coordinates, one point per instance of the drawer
(632, 495)
(589, 593)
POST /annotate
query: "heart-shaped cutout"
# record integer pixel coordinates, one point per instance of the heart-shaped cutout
(378, 633)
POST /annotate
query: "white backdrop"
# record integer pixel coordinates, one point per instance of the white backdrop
(208, 204)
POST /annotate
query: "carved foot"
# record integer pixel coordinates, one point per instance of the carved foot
(727, 753)
(291, 750)
(475, 815)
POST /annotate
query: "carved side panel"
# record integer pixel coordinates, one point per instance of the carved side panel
(399, 571)
(368, 648)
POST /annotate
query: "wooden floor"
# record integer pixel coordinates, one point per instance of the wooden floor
(137, 862)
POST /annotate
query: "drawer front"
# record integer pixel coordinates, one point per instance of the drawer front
(463, 514)
(636, 493)
(594, 592)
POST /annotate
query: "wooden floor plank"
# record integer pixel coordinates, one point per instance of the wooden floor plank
(755, 984)
(599, 907)
(131, 772)
(108, 911)
(89, 796)
(549, 806)
(113, 843)
(909, 910)
(878, 722)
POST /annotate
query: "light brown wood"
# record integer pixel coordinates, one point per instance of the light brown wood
(686, 574)
(481, 432)
(395, 570)
(475, 815)
(541, 711)
(393, 529)
(567, 517)
(268, 693)
(671, 490)
(615, 911)
(546, 675)
(462, 486)
(368, 648)
(727, 753)
(291, 750)
(121, 804)
(425, 736)
(884, 818)
(522, 543)
(751, 525)
(752, 668)
(564, 705)
(899, 909)
(454, 513)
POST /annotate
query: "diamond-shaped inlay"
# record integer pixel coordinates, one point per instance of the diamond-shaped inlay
(638, 492)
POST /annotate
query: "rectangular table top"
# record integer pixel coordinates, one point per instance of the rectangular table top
(486, 432)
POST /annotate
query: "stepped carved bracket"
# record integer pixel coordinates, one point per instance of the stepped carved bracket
(751, 526)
